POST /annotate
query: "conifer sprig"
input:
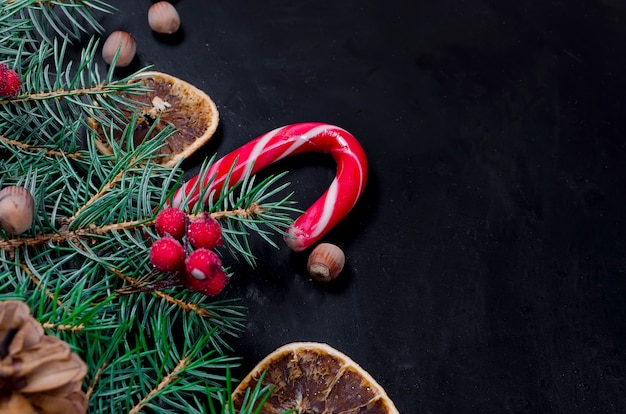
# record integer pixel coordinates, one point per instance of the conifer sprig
(252, 401)
(59, 94)
(43, 20)
(83, 267)
(146, 348)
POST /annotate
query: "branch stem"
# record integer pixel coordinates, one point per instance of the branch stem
(182, 364)
(95, 380)
(37, 282)
(64, 234)
(57, 94)
(186, 306)
(62, 327)
(26, 147)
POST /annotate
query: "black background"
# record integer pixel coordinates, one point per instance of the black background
(486, 266)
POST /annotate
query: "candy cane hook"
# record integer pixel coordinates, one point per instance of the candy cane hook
(328, 210)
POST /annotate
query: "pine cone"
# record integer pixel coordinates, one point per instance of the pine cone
(38, 373)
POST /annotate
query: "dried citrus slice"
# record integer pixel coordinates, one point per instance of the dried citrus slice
(174, 102)
(315, 378)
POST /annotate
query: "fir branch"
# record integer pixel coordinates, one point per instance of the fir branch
(139, 286)
(14, 43)
(185, 306)
(91, 232)
(61, 93)
(165, 381)
(58, 102)
(272, 218)
(252, 402)
(65, 235)
(61, 327)
(30, 148)
(94, 381)
(83, 267)
(51, 18)
(35, 280)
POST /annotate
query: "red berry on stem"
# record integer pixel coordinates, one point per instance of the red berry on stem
(202, 264)
(209, 287)
(215, 285)
(171, 222)
(9, 81)
(167, 255)
(204, 273)
(205, 233)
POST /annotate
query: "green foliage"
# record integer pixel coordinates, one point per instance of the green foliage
(62, 93)
(83, 267)
(252, 402)
(42, 20)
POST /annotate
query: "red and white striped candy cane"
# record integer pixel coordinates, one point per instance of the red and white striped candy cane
(328, 210)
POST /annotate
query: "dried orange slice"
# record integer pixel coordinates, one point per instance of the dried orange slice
(174, 102)
(315, 378)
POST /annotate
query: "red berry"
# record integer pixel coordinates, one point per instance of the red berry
(167, 254)
(202, 264)
(209, 287)
(203, 272)
(9, 81)
(205, 233)
(171, 222)
(216, 285)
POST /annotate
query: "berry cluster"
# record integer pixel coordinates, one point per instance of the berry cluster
(201, 269)
(9, 81)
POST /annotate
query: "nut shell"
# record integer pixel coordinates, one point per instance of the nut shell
(163, 18)
(17, 207)
(325, 262)
(128, 47)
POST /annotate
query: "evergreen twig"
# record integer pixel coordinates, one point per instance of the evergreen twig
(83, 266)
(43, 20)
(60, 95)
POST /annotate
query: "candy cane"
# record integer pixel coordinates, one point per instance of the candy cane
(327, 211)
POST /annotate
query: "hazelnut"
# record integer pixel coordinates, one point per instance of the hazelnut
(125, 42)
(17, 208)
(163, 18)
(326, 262)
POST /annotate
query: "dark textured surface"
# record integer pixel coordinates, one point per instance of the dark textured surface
(486, 266)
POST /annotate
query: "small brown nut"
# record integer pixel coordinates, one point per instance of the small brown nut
(163, 17)
(326, 262)
(17, 208)
(126, 43)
